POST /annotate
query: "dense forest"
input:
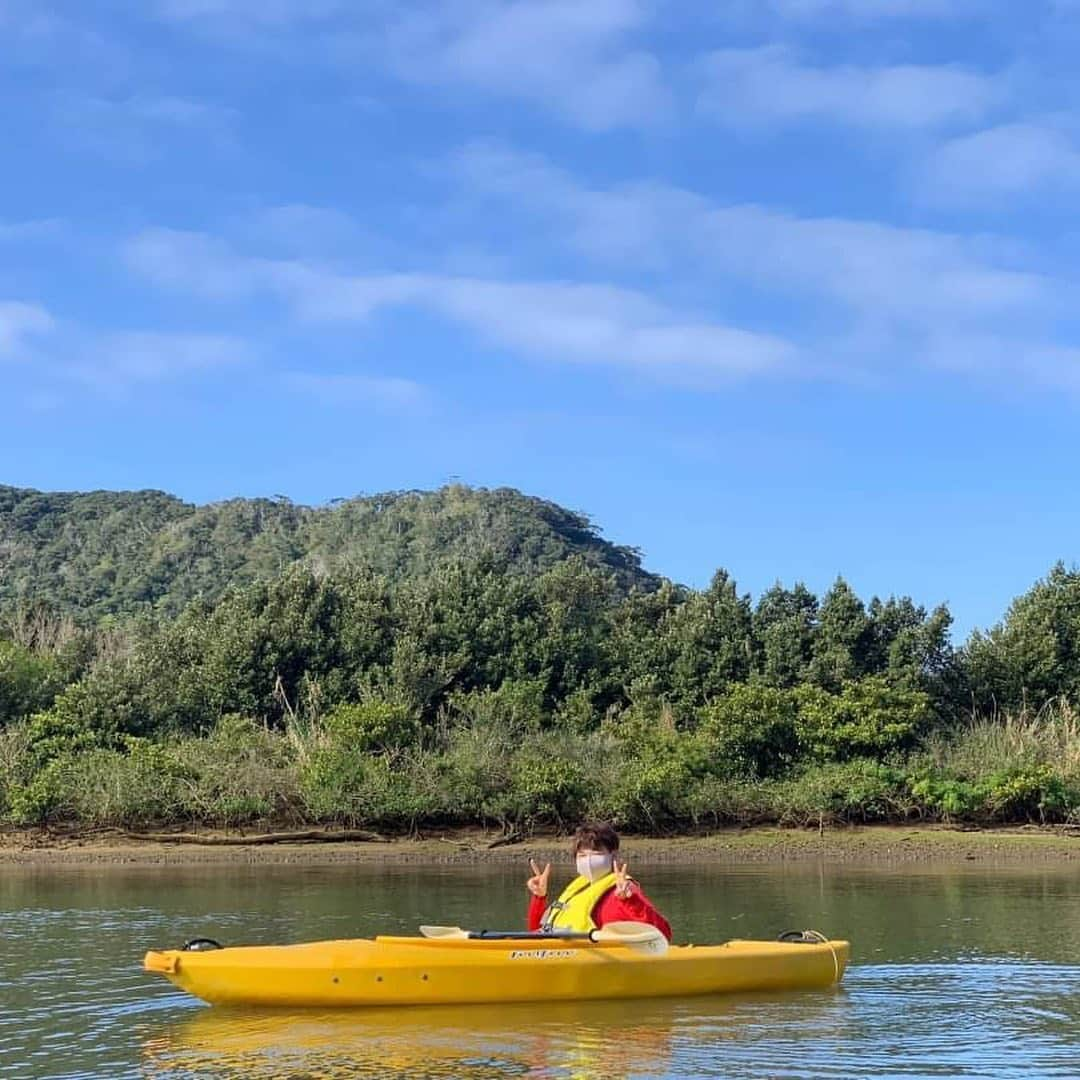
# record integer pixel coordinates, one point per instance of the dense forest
(419, 660)
(123, 553)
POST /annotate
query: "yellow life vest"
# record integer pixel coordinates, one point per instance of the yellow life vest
(573, 910)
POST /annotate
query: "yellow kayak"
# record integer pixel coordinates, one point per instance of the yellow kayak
(440, 971)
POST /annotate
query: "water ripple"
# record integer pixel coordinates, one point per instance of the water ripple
(957, 992)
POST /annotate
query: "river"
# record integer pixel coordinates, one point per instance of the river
(956, 971)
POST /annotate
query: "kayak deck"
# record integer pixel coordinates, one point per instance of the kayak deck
(419, 971)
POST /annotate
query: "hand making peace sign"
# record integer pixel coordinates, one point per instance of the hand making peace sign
(624, 883)
(538, 883)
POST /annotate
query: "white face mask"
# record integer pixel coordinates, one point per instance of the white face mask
(594, 865)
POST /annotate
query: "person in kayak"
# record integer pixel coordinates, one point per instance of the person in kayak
(603, 891)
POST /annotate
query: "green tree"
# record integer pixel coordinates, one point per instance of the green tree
(29, 681)
(753, 730)
(1033, 655)
(908, 644)
(640, 647)
(844, 640)
(869, 717)
(785, 622)
(709, 640)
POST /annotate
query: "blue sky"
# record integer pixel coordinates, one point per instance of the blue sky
(775, 285)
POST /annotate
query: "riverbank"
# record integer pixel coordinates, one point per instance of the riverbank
(866, 844)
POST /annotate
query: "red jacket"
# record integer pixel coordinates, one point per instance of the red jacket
(636, 907)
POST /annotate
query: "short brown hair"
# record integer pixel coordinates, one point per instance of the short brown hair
(597, 835)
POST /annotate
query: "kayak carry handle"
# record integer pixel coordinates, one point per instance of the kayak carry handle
(161, 963)
(803, 937)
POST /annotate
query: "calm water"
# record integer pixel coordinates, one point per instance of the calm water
(955, 973)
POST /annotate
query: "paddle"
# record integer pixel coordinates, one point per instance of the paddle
(638, 936)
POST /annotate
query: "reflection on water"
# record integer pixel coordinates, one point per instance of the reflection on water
(958, 972)
(650, 1038)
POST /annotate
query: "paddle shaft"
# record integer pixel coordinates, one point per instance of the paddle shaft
(530, 935)
(633, 935)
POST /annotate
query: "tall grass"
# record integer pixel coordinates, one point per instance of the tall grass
(1005, 768)
(988, 744)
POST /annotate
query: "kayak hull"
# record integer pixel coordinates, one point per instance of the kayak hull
(418, 971)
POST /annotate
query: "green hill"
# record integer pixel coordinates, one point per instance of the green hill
(111, 553)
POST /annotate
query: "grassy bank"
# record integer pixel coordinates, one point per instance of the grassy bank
(653, 778)
(479, 696)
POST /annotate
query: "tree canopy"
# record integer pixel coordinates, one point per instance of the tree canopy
(119, 553)
(472, 655)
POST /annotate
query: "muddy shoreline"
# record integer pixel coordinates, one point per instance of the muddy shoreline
(866, 844)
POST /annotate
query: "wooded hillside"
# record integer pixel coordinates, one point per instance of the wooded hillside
(108, 553)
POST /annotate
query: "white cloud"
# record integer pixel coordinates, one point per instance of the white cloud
(66, 355)
(582, 323)
(20, 321)
(877, 9)
(1007, 359)
(364, 391)
(193, 261)
(879, 272)
(880, 294)
(299, 227)
(273, 12)
(143, 356)
(34, 34)
(39, 229)
(135, 128)
(1012, 159)
(299, 222)
(604, 324)
(873, 299)
(882, 271)
(114, 363)
(178, 111)
(770, 84)
(583, 61)
(578, 59)
(643, 224)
